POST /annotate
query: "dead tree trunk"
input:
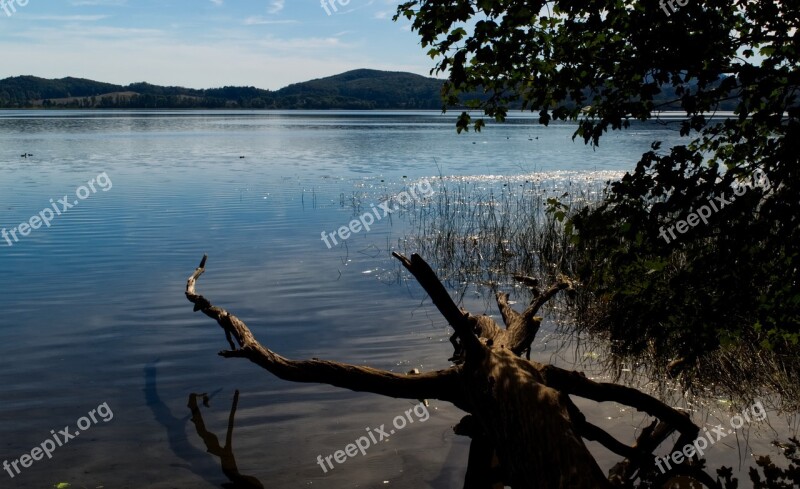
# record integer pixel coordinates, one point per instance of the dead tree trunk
(521, 409)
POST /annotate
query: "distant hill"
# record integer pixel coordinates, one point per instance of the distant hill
(365, 89)
(357, 89)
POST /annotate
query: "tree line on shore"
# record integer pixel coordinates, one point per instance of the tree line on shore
(353, 90)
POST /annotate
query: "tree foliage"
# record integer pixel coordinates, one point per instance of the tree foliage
(728, 279)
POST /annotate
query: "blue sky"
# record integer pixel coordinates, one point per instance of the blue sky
(204, 43)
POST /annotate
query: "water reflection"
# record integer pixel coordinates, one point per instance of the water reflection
(225, 453)
(176, 427)
(179, 441)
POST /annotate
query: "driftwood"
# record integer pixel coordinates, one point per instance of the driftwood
(526, 431)
(520, 330)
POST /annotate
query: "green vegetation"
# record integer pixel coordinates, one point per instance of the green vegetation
(358, 89)
(720, 304)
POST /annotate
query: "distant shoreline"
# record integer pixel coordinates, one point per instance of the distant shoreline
(361, 89)
(358, 89)
(451, 111)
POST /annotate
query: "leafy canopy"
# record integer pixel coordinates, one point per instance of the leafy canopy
(603, 64)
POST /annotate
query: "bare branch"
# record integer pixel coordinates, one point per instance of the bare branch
(575, 383)
(442, 384)
(538, 302)
(510, 316)
(459, 320)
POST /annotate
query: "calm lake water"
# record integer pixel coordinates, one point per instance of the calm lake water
(94, 306)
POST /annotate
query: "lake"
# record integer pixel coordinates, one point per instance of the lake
(98, 334)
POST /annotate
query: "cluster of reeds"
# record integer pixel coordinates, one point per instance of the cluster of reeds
(482, 230)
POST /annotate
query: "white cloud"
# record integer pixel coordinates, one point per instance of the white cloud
(268, 46)
(259, 20)
(68, 18)
(158, 56)
(276, 6)
(112, 3)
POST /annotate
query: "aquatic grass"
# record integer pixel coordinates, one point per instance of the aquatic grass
(480, 231)
(483, 229)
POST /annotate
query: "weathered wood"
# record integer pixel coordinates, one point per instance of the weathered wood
(440, 385)
(529, 425)
(522, 408)
(576, 383)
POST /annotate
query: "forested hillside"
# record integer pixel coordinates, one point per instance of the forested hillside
(358, 89)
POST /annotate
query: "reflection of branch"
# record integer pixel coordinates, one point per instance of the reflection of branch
(175, 428)
(225, 453)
